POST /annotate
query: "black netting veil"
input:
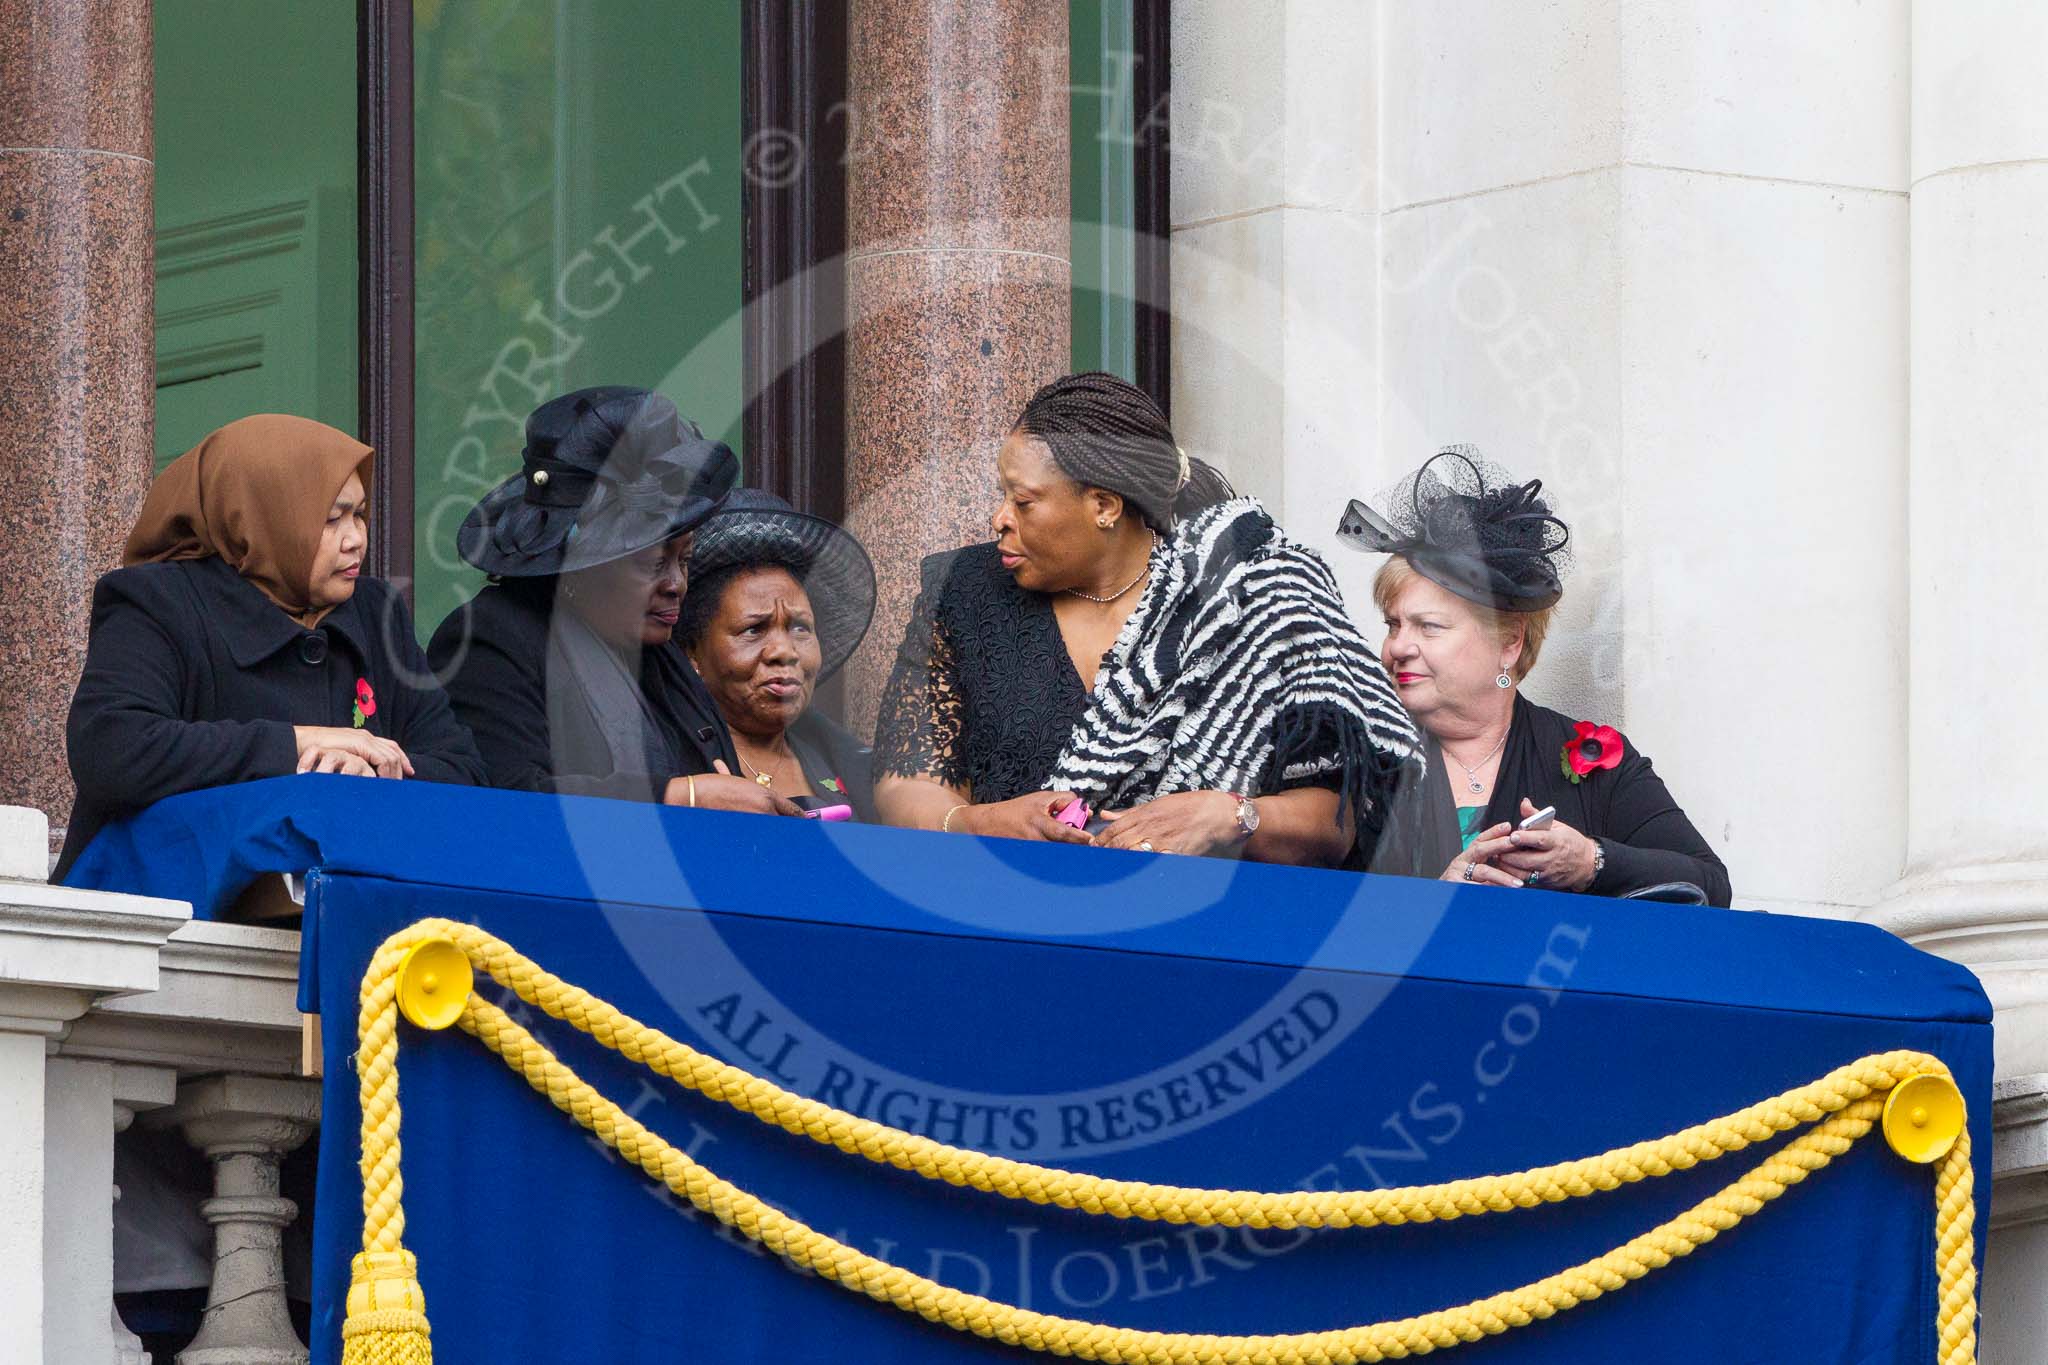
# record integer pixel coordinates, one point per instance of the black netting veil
(1465, 523)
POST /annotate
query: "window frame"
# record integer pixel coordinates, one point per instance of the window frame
(795, 81)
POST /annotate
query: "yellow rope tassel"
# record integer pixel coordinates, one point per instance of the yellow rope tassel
(387, 1313)
(1841, 1108)
(387, 1310)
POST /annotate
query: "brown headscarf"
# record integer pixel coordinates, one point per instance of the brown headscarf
(256, 493)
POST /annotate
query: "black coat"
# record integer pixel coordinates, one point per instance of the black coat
(194, 679)
(1648, 840)
(828, 749)
(492, 653)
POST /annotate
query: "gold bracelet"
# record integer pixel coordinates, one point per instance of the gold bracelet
(693, 791)
(946, 825)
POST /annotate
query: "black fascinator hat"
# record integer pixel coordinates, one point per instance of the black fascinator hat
(754, 529)
(606, 472)
(1466, 525)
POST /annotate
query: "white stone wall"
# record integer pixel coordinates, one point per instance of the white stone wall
(1654, 259)
(1761, 292)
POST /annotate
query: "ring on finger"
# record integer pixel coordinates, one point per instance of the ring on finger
(1471, 869)
(1533, 878)
(1145, 846)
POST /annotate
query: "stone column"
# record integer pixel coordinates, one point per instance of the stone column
(77, 372)
(60, 951)
(1977, 885)
(246, 1125)
(1665, 271)
(959, 273)
(85, 1104)
(2015, 1310)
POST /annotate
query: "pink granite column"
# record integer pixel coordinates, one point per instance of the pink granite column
(959, 273)
(77, 370)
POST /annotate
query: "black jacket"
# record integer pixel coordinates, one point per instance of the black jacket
(492, 652)
(193, 679)
(1648, 840)
(828, 749)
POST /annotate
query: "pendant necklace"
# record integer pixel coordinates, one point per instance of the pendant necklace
(1472, 773)
(1104, 601)
(760, 775)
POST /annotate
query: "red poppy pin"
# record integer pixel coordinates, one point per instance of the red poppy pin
(1591, 748)
(366, 702)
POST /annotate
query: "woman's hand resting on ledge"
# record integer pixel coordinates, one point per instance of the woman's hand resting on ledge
(722, 791)
(357, 753)
(1029, 816)
(1182, 822)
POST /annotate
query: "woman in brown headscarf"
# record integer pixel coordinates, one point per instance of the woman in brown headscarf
(240, 641)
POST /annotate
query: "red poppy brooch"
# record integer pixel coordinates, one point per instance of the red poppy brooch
(1591, 748)
(366, 702)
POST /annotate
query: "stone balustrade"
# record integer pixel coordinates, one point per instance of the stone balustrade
(118, 1009)
(122, 1009)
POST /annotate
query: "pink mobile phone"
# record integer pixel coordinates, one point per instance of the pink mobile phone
(830, 813)
(1074, 814)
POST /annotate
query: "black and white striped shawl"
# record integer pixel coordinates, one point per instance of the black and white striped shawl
(1239, 670)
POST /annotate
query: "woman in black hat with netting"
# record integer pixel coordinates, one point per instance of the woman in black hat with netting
(1476, 567)
(1140, 638)
(778, 601)
(564, 666)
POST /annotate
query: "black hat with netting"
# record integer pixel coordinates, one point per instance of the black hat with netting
(1465, 524)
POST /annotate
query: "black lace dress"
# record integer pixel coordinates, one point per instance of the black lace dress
(984, 694)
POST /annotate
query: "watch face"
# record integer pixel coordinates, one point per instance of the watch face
(1248, 816)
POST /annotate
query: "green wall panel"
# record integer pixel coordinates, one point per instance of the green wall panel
(255, 214)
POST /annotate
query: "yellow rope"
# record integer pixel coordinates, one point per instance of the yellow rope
(1842, 1106)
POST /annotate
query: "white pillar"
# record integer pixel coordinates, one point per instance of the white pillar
(2015, 1308)
(22, 1183)
(85, 1104)
(60, 950)
(246, 1125)
(1978, 851)
(1646, 253)
(1275, 231)
(78, 1228)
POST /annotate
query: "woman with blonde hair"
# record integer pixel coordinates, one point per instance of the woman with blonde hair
(1476, 567)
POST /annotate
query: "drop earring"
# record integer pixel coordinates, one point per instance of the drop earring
(1503, 682)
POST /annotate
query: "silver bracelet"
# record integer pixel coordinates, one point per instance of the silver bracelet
(1599, 859)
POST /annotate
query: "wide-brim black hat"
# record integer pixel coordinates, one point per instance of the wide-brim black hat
(754, 528)
(606, 473)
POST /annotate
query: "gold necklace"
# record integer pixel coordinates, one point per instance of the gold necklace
(760, 775)
(1105, 601)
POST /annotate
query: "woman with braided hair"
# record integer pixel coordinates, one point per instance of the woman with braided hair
(1140, 638)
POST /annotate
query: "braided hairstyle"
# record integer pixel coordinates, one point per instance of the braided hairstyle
(1106, 433)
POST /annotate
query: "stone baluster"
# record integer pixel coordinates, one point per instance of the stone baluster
(246, 1125)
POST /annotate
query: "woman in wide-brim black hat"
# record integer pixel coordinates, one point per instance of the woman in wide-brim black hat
(565, 666)
(778, 601)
